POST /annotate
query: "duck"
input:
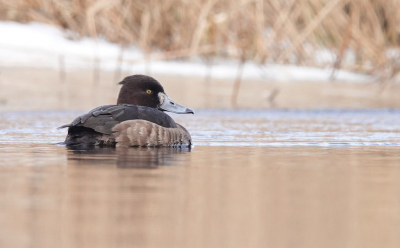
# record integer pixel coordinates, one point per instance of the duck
(137, 120)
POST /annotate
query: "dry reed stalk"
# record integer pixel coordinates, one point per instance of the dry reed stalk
(260, 26)
(283, 14)
(144, 30)
(284, 27)
(97, 6)
(345, 43)
(201, 26)
(309, 29)
(236, 85)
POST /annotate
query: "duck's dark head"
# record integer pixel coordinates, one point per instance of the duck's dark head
(143, 90)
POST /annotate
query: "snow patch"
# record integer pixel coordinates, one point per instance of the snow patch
(41, 45)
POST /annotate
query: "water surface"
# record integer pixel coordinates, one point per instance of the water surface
(253, 179)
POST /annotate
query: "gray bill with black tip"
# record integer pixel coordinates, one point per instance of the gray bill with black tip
(171, 106)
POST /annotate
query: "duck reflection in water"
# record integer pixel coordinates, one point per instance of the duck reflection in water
(127, 157)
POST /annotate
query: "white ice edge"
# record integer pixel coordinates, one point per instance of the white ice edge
(44, 46)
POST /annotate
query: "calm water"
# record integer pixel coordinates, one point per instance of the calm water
(253, 179)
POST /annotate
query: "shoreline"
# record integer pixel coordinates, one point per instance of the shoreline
(28, 88)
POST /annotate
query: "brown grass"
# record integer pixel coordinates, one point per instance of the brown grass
(256, 30)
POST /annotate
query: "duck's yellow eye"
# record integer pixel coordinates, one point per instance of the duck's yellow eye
(148, 91)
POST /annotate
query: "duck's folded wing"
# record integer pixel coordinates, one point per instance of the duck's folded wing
(102, 119)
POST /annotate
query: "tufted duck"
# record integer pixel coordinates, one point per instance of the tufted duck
(138, 119)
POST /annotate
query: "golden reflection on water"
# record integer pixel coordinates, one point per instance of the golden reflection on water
(207, 197)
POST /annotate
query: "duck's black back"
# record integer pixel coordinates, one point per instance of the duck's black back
(88, 128)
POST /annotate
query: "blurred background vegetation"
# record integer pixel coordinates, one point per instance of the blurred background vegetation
(257, 30)
(362, 36)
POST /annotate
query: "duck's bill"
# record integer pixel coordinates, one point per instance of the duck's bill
(168, 105)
